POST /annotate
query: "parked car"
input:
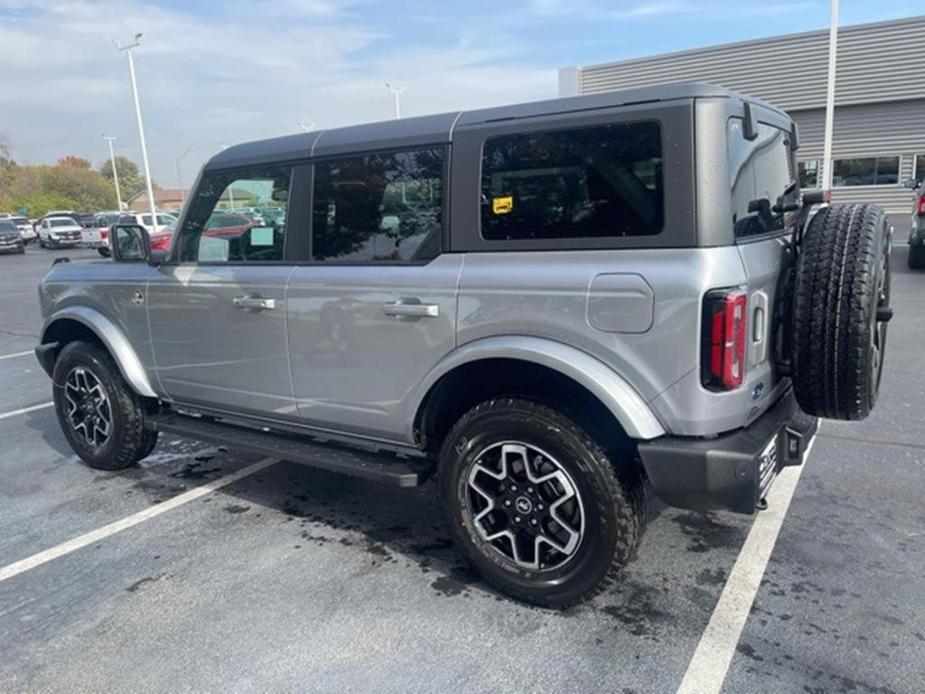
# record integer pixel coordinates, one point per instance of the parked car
(10, 237)
(55, 232)
(631, 289)
(161, 240)
(85, 220)
(916, 259)
(26, 230)
(144, 219)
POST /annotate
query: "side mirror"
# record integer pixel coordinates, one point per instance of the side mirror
(129, 243)
(911, 183)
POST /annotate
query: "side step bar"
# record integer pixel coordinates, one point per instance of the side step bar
(387, 467)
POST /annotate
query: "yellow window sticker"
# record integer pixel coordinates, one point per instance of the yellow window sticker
(502, 205)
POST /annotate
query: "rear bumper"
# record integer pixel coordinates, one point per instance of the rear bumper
(733, 471)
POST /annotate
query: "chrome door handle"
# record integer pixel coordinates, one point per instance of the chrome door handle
(407, 308)
(254, 303)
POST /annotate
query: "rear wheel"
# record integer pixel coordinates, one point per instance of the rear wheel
(841, 309)
(535, 503)
(103, 251)
(916, 259)
(102, 418)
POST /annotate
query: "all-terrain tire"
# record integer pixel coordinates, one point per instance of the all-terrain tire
(128, 440)
(916, 260)
(610, 503)
(841, 304)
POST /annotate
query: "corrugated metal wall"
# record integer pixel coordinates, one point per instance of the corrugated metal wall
(880, 91)
(876, 62)
(869, 131)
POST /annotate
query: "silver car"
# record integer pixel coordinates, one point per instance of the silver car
(543, 307)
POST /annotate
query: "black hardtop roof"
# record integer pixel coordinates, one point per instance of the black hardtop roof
(438, 128)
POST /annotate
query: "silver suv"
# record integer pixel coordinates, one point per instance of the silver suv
(551, 308)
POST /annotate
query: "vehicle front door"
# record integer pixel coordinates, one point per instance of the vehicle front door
(218, 308)
(374, 308)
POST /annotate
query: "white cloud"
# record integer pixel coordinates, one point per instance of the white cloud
(252, 72)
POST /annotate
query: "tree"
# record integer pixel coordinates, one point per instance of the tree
(5, 146)
(72, 162)
(131, 182)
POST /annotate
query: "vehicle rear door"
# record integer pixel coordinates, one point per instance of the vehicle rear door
(373, 309)
(217, 311)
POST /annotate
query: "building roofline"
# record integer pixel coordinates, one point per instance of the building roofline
(846, 29)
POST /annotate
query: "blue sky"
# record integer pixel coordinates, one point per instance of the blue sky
(223, 72)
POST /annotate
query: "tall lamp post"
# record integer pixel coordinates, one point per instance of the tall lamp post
(396, 92)
(127, 47)
(830, 98)
(115, 174)
(180, 174)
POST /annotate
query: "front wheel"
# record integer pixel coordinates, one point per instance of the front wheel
(536, 503)
(103, 251)
(102, 418)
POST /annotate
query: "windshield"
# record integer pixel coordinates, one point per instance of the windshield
(61, 222)
(6, 225)
(19, 220)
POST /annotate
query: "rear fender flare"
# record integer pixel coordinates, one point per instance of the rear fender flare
(617, 395)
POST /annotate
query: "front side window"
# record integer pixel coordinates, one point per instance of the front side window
(212, 234)
(378, 208)
(809, 173)
(599, 181)
(762, 179)
(865, 171)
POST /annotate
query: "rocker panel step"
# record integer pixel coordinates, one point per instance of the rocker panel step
(299, 449)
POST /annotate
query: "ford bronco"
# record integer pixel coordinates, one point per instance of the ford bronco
(552, 309)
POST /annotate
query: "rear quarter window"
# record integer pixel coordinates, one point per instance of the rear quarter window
(592, 182)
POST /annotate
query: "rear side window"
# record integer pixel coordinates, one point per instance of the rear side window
(763, 180)
(379, 208)
(600, 181)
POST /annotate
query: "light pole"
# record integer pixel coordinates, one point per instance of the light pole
(396, 92)
(830, 98)
(115, 174)
(180, 175)
(307, 127)
(231, 185)
(141, 128)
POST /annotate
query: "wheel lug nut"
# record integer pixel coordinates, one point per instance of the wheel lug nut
(540, 507)
(533, 521)
(513, 488)
(517, 519)
(529, 490)
(507, 502)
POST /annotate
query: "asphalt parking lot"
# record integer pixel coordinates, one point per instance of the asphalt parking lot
(292, 579)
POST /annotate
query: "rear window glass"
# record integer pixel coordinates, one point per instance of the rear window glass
(763, 180)
(600, 181)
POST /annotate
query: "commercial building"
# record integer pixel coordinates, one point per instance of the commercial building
(879, 135)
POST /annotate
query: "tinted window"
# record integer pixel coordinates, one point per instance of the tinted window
(866, 171)
(378, 207)
(762, 179)
(601, 181)
(210, 234)
(809, 173)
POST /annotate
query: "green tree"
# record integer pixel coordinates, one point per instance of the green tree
(131, 182)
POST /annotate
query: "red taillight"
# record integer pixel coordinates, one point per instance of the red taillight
(920, 205)
(724, 328)
(104, 234)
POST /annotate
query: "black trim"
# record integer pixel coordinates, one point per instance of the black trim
(722, 473)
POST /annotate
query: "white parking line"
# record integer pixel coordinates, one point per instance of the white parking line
(17, 354)
(26, 410)
(708, 667)
(18, 567)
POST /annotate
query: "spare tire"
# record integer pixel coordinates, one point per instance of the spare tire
(840, 312)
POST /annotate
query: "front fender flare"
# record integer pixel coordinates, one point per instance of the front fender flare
(113, 338)
(617, 395)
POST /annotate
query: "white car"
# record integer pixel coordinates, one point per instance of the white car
(26, 230)
(55, 232)
(144, 219)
